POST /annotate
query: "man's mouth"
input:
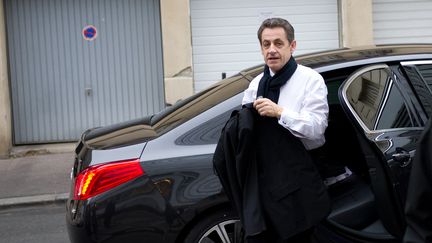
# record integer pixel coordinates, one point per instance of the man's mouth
(272, 58)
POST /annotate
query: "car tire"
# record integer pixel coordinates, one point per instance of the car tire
(221, 226)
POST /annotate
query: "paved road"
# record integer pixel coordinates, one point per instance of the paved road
(36, 224)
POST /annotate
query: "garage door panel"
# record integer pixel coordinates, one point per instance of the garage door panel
(223, 40)
(311, 36)
(322, 27)
(305, 46)
(299, 20)
(250, 12)
(312, 28)
(214, 49)
(401, 24)
(63, 84)
(217, 31)
(224, 32)
(409, 33)
(400, 40)
(225, 67)
(222, 20)
(232, 57)
(394, 16)
(400, 6)
(402, 21)
(224, 4)
(209, 23)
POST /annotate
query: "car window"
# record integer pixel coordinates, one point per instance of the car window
(420, 75)
(333, 80)
(206, 133)
(186, 109)
(425, 71)
(377, 101)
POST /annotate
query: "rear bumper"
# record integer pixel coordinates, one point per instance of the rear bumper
(133, 212)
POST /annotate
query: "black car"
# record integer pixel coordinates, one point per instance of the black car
(152, 179)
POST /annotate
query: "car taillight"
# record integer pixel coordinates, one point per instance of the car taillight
(100, 178)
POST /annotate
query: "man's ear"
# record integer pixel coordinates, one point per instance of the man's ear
(293, 46)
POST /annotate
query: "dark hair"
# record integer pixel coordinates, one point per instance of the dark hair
(277, 22)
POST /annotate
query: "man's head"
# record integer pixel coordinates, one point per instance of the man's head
(276, 36)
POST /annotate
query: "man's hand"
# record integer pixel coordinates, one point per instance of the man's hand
(266, 107)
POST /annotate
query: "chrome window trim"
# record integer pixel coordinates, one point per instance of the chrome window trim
(354, 113)
(372, 61)
(421, 62)
(386, 97)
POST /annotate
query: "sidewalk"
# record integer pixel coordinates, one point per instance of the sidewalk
(36, 174)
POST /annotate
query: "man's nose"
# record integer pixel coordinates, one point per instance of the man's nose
(272, 49)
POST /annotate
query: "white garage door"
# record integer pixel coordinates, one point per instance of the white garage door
(224, 36)
(402, 21)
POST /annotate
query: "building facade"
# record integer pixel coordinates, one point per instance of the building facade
(69, 65)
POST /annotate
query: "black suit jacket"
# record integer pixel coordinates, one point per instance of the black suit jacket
(293, 194)
(257, 159)
(235, 163)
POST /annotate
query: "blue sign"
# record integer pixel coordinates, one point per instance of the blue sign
(89, 32)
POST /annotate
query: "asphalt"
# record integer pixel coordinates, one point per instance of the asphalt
(38, 174)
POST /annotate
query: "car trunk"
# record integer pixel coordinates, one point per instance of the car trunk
(118, 142)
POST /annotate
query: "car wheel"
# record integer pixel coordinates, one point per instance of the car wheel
(219, 227)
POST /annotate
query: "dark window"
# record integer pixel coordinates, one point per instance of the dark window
(425, 71)
(334, 79)
(376, 99)
(420, 76)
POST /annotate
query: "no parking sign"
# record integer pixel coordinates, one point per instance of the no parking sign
(89, 32)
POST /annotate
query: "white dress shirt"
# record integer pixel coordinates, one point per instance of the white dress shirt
(304, 102)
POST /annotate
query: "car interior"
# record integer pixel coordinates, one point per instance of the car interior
(344, 169)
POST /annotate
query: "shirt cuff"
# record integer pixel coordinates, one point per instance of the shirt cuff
(285, 118)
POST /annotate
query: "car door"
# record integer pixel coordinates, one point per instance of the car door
(377, 101)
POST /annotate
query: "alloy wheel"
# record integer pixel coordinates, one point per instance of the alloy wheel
(223, 232)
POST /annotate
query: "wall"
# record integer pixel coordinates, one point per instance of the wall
(356, 23)
(177, 49)
(5, 104)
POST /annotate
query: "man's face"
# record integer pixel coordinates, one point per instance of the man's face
(276, 48)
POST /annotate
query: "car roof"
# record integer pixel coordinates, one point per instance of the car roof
(331, 59)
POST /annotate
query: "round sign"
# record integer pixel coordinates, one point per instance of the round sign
(89, 32)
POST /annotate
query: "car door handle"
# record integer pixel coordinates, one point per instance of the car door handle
(402, 156)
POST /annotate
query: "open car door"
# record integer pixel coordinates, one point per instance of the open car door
(376, 102)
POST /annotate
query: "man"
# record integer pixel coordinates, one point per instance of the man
(418, 208)
(291, 101)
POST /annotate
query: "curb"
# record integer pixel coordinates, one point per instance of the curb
(33, 200)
